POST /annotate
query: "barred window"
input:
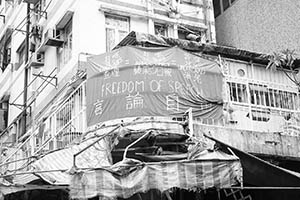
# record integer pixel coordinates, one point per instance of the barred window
(262, 95)
(238, 92)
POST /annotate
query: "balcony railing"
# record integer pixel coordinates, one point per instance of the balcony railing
(65, 125)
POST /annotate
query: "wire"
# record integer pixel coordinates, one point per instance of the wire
(32, 15)
(48, 6)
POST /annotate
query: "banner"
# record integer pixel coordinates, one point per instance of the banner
(135, 81)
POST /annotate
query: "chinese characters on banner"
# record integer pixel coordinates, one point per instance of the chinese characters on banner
(132, 81)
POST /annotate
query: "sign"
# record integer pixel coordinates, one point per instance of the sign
(133, 82)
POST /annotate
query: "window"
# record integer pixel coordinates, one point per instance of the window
(217, 7)
(160, 29)
(116, 28)
(21, 55)
(39, 7)
(3, 114)
(225, 4)
(5, 53)
(65, 52)
(187, 33)
(238, 92)
(259, 114)
(262, 95)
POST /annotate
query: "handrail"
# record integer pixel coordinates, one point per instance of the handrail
(34, 132)
(18, 148)
(64, 101)
(54, 113)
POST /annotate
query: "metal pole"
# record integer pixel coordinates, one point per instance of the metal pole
(92, 144)
(26, 67)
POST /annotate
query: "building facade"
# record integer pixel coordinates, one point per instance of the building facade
(260, 106)
(257, 101)
(61, 35)
(261, 26)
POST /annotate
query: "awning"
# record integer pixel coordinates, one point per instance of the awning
(141, 177)
(4, 190)
(62, 160)
(20, 179)
(53, 167)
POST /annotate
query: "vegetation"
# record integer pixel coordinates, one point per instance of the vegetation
(284, 61)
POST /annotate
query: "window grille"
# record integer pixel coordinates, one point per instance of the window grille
(262, 95)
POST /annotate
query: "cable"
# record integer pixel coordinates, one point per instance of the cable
(22, 21)
(48, 6)
(32, 14)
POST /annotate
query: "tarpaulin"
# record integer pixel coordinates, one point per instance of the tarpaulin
(187, 174)
(136, 81)
(148, 40)
(4, 190)
(95, 156)
(257, 172)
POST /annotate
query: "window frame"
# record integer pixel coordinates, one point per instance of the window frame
(21, 55)
(116, 30)
(262, 95)
(66, 50)
(161, 26)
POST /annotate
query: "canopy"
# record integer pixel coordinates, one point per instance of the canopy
(136, 81)
(95, 174)
(53, 167)
(211, 171)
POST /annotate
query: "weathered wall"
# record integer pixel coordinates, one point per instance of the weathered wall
(261, 143)
(263, 26)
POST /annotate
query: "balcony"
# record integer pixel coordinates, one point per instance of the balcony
(63, 127)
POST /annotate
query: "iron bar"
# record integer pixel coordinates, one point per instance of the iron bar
(92, 144)
(45, 78)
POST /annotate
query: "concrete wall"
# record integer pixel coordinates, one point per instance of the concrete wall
(255, 142)
(260, 25)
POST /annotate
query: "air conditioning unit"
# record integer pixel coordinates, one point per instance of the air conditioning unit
(37, 60)
(53, 37)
